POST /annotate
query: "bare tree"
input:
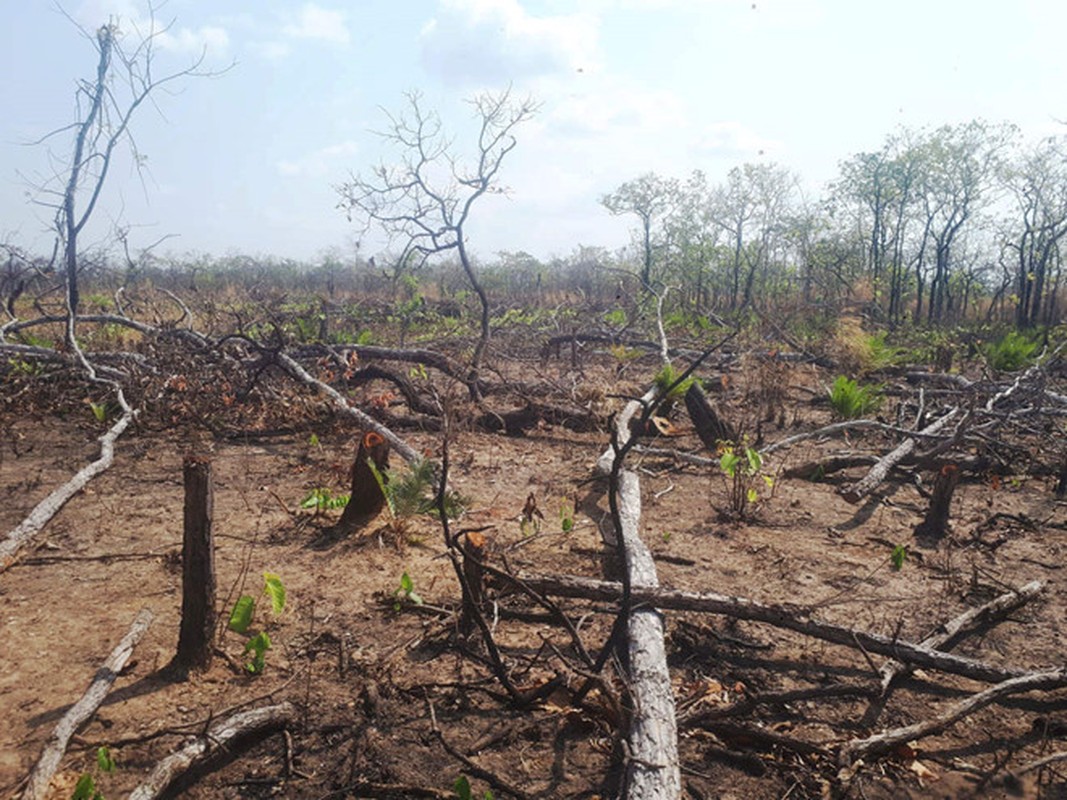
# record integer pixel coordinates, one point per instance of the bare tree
(106, 105)
(424, 202)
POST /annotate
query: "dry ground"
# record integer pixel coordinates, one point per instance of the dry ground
(364, 675)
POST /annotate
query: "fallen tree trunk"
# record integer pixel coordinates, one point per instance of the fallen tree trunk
(872, 479)
(220, 738)
(50, 506)
(41, 777)
(778, 616)
(653, 769)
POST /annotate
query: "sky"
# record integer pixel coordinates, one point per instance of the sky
(247, 161)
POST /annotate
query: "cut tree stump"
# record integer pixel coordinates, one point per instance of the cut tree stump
(367, 499)
(41, 777)
(935, 525)
(198, 568)
(710, 426)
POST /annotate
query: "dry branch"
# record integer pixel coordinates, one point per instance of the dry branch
(870, 481)
(779, 616)
(41, 777)
(50, 506)
(220, 738)
(949, 634)
(366, 421)
(880, 743)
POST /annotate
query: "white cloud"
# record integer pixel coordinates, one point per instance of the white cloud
(270, 50)
(497, 41)
(168, 36)
(324, 162)
(316, 22)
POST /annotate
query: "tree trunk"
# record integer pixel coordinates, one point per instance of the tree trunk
(198, 567)
(711, 428)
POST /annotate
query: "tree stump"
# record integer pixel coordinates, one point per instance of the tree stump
(474, 554)
(367, 499)
(935, 525)
(1061, 484)
(711, 428)
(198, 567)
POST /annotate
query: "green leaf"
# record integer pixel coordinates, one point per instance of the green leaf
(767, 479)
(313, 440)
(85, 788)
(273, 586)
(755, 460)
(316, 499)
(752, 495)
(728, 463)
(462, 788)
(259, 645)
(104, 760)
(898, 556)
(406, 584)
(243, 611)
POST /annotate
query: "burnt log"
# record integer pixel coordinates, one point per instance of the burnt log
(710, 426)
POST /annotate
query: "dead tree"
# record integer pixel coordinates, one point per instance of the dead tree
(429, 214)
(198, 568)
(123, 83)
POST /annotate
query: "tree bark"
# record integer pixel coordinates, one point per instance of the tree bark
(41, 777)
(198, 567)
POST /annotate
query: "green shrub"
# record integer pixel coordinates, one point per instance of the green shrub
(849, 400)
(667, 376)
(1010, 352)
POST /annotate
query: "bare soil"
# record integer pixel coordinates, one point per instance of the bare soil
(368, 679)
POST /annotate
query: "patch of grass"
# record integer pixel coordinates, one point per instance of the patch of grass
(1011, 352)
(850, 400)
(667, 377)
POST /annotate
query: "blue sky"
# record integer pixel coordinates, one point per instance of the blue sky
(246, 162)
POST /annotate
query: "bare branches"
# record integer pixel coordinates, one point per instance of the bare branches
(424, 202)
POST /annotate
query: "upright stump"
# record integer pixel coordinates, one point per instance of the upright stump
(198, 567)
(935, 525)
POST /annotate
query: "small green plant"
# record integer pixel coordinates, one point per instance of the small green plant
(666, 537)
(99, 411)
(616, 317)
(313, 440)
(898, 557)
(667, 377)
(742, 470)
(86, 788)
(258, 645)
(850, 400)
(243, 613)
(321, 499)
(1010, 352)
(566, 515)
(405, 593)
(463, 790)
(414, 493)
